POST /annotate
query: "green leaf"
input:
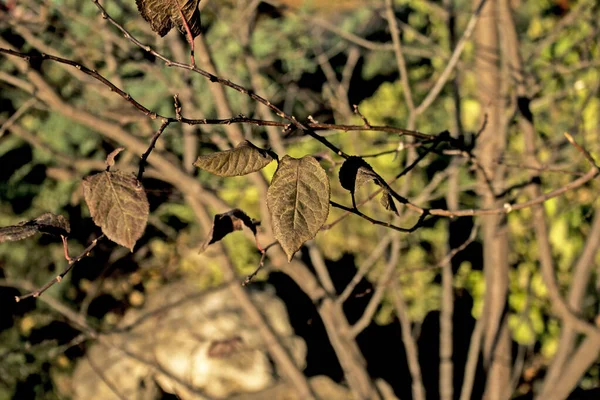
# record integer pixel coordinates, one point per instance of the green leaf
(245, 158)
(48, 223)
(118, 204)
(164, 14)
(298, 200)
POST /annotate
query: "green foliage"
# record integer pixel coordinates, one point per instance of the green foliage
(561, 71)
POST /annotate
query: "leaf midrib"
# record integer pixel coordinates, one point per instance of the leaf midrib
(121, 209)
(296, 200)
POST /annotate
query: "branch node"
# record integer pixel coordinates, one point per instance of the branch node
(178, 108)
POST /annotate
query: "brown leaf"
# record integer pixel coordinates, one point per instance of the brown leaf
(226, 347)
(298, 200)
(355, 172)
(245, 158)
(387, 201)
(118, 204)
(48, 223)
(165, 14)
(227, 223)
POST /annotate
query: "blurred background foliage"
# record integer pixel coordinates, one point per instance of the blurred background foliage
(45, 155)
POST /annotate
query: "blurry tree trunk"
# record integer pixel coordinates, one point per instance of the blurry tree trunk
(490, 146)
(568, 364)
(447, 304)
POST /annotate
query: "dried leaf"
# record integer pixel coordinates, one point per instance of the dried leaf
(355, 172)
(118, 204)
(298, 200)
(48, 223)
(165, 14)
(241, 160)
(110, 159)
(225, 348)
(226, 223)
(387, 201)
(16, 232)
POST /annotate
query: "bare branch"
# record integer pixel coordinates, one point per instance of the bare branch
(59, 277)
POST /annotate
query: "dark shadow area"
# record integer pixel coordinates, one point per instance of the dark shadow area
(382, 346)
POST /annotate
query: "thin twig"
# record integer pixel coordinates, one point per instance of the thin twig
(583, 151)
(403, 71)
(59, 277)
(357, 112)
(410, 345)
(188, 31)
(382, 283)
(364, 268)
(146, 154)
(261, 264)
(20, 111)
(356, 211)
(449, 256)
(309, 128)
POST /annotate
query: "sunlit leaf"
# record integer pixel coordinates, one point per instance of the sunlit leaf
(118, 204)
(226, 223)
(48, 223)
(298, 200)
(245, 158)
(165, 14)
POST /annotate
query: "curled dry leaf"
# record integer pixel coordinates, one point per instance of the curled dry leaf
(245, 158)
(110, 159)
(298, 200)
(355, 172)
(387, 201)
(163, 15)
(118, 204)
(226, 223)
(226, 347)
(48, 223)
